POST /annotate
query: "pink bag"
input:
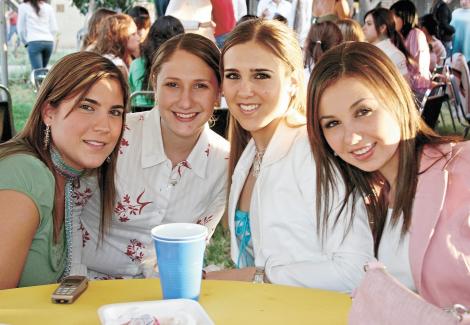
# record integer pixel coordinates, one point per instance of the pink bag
(381, 299)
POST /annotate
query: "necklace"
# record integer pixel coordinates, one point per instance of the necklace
(257, 162)
(71, 176)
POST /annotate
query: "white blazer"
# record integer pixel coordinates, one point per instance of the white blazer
(283, 221)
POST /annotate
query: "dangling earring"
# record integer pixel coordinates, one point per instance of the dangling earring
(47, 135)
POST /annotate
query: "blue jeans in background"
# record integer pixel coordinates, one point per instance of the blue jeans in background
(39, 53)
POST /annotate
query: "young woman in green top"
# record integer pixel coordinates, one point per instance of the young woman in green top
(74, 127)
(162, 30)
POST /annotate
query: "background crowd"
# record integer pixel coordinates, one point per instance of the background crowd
(326, 163)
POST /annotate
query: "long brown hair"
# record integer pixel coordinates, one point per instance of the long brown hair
(113, 37)
(94, 26)
(73, 75)
(283, 44)
(321, 37)
(370, 65)
(35, 5)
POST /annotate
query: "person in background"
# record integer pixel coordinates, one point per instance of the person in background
(406, 20)
(268, 8)
(74, 128)
(37, 27)
(351, 30)
(379, 29)
(322, 37)
(160, 7)
(141, 18)
(239, 9)
(89, 42)
(117, 40)
(246, 18)
(429, 27)
(224, 18)
(461, 23)
(12, 23)
(162, 30)
(171, 166)
(280, 18)
(443, 16)
(363, 121)
(275, 232)
(325, 10)
(195, 15)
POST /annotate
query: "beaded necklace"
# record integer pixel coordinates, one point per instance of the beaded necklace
(257, 162)
(71, 180)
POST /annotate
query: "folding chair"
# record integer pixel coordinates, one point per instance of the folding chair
(7, 127)
(455, 92)
(37, 77)
(432, 109)
(141, 101)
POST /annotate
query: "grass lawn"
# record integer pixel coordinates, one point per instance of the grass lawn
(23, 98)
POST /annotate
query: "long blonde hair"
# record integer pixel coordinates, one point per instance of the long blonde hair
(73, 75)
(283, 44)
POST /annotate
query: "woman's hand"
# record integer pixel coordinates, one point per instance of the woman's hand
(245, 274)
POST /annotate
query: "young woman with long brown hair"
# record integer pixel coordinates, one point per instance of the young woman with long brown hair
(363, 121)
(172, 167)
(74, 128)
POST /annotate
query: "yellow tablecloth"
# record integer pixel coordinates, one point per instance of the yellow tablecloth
(226, 302)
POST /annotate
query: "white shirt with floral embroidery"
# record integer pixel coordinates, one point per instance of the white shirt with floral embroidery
(149, 193)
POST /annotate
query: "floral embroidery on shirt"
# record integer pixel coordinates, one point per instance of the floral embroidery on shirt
(181, 165)
(204, 220)
(81, 198)
(134, 250)
(85, 234)
(207, 151)
(124, 208)
(124, 143)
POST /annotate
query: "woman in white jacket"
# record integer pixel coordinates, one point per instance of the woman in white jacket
(275, 235)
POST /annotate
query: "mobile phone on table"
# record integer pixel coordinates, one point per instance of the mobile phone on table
(70, 288)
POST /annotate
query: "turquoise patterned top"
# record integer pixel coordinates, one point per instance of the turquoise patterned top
(243, 235)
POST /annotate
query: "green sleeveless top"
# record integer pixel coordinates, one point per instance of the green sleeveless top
(28, 175)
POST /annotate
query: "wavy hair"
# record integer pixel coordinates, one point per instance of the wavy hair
(75, 74)
(113, 37)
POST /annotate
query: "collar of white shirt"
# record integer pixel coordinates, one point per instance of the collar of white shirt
(153, 152)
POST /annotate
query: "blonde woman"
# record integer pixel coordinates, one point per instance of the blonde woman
(275, 233)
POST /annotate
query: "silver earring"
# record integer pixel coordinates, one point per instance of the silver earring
(47, 136)
(108, 159)
(335, 154)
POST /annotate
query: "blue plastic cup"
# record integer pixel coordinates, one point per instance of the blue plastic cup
(180, 261)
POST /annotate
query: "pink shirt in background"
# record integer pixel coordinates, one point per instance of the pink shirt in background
(419, 73)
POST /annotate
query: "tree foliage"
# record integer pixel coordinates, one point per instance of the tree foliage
(118, 5)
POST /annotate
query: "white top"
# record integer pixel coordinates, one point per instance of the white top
(284, 8)
(394, 252)
(149, 193)
(239, 8)
(117, 62)
(32, 27)
(283, 221)
(394, 54)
